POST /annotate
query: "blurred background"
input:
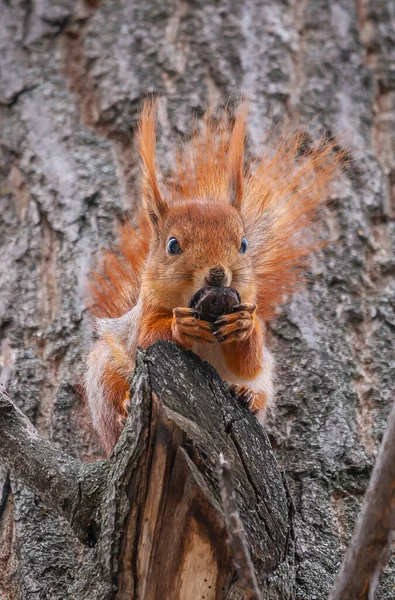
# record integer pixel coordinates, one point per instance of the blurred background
(72, 79)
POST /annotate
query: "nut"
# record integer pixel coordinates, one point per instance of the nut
(213, 301)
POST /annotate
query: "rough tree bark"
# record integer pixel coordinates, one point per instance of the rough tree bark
(72, 76)
(371, 542)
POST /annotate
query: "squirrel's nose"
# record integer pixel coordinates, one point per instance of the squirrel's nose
(217, 276)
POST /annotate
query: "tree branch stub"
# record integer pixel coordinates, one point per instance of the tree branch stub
(66, 485)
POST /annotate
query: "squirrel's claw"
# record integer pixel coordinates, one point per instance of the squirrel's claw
(181, 312)
(249, 307)
(234, 332)
(244, 395)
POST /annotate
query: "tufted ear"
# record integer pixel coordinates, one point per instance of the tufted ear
(153, 202)
(236, 157)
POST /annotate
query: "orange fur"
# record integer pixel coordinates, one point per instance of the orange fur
(114, 285)
(117, 374)
(236, 158)
(155, 326)
(256, 402)
(117, 389)
(259, 402)
(282, 198)
(115, 379)
(243, 357)
(154, 204)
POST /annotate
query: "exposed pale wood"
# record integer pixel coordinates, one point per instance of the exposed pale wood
(237, 540)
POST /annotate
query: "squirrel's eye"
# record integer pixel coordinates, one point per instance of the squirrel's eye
(173, 247)
(243, 245)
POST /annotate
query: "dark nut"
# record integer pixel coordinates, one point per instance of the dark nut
(213, 301)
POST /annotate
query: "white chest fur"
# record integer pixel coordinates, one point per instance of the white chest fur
(263, 382)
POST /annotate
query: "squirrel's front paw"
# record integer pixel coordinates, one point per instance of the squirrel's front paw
(188, 329)
(236, 326)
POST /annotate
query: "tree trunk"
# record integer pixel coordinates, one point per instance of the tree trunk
(72, 77)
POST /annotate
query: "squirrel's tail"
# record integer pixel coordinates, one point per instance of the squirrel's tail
(283, 195)
(114, 283)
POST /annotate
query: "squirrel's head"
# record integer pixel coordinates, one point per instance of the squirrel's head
(197, 241)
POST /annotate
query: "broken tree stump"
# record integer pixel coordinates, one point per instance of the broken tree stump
(159, 528)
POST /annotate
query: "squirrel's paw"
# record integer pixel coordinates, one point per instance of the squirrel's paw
(122, 419)
(236, 326)
(244, 395)
(188, 329)
(125, 408)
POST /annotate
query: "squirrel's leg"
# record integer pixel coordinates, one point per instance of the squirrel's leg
(242, 341)
(154, 325)
(107, 382)
(243, 347)
(182, 326)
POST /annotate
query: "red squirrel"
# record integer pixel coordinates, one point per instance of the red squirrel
(214, 222)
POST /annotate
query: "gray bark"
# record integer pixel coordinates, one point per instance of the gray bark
(66, 485)
(72, 76)
(371, 542)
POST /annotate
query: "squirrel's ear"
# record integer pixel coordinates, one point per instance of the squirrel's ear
(154, 204)
(236, 156)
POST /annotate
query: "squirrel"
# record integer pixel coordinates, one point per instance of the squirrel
(217, 220)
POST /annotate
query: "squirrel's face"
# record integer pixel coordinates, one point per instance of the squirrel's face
(199, 243)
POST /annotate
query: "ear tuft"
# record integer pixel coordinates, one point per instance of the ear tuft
(154, 204)
(236, 156)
